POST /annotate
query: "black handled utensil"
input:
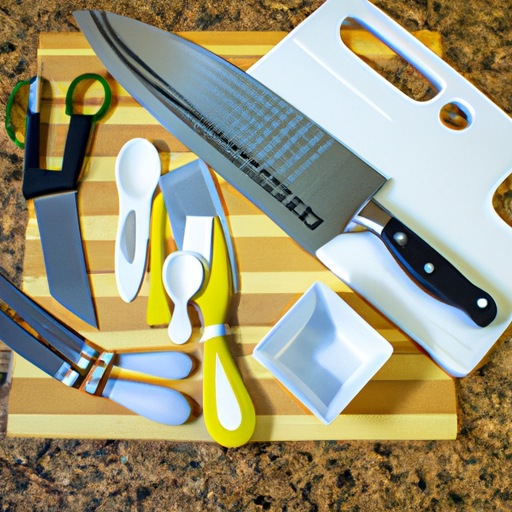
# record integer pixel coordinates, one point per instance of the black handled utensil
(309, 183)
(54, 194)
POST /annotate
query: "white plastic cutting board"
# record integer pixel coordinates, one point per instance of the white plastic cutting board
(441, 181)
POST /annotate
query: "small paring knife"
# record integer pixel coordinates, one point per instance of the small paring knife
(227, 407)
(199, 226)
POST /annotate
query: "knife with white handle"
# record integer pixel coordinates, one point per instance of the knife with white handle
(65, 355)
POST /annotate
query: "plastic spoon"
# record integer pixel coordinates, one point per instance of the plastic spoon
(183, 274)
(137, 172)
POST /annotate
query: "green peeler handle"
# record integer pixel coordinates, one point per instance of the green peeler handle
(9, 128)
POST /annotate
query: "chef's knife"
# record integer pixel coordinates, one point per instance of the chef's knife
(305, 180)
(55, 202)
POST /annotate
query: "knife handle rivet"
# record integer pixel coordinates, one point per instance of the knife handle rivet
(482, 303)
(400, 238)
(429, 268)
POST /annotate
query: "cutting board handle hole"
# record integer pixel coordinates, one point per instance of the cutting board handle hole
(391, 66)
(455, 116)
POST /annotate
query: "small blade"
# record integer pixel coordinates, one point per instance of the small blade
(26, 345)
(59, 227)
(191, 191)
(62, 338)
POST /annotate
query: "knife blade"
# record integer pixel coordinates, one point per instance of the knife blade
(55, 201)
(309, 183)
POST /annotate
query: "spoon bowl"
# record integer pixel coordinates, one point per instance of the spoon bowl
(183, 274)
(138, 169)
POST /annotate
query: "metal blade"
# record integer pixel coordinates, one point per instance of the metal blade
(62, 357)
(305, 180)
(19, 340)
(190, 191)
(59, 227)
(64, 340)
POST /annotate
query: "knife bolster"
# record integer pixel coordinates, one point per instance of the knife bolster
(99, 374)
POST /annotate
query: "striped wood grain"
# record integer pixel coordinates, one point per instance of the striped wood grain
(409, 398)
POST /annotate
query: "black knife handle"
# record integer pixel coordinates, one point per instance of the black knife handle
(436, 274)
(32, 140)
(38, 182)
(80, 127)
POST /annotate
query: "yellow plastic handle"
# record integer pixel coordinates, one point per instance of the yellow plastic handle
(227, 407)
(228, 410)
(158, 310)
(215, 301)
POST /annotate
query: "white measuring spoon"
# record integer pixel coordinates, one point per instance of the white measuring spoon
(183, 275)
(138, 169)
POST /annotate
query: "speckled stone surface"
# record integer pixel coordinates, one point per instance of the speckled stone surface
(470, 474)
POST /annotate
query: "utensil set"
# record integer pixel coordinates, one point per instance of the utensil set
(312, 182)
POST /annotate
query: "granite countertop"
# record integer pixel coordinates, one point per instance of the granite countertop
(471, 473)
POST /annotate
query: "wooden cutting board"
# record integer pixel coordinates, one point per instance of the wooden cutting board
(409, 398)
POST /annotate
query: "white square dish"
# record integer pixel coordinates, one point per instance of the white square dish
(323, 352)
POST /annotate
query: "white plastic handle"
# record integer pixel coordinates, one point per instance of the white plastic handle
(137, 171)
(157, 403)
(172, 365)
